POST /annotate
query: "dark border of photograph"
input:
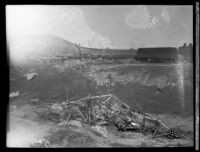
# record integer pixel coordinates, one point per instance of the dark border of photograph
(5, 73)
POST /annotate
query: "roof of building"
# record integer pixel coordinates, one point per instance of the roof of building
(112, 52)
(160, 52)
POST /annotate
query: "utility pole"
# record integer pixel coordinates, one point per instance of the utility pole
(67, 93)
(78, 47)
(79, 51)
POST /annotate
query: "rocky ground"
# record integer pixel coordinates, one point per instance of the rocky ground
(26, 130)
(145, 89)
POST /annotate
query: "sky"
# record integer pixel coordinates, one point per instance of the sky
(103, 26)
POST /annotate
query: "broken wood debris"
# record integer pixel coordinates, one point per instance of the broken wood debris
(108, 110)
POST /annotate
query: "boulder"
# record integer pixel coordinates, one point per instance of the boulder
(30, 76)
(14, 94)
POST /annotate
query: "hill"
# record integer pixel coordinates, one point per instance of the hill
(45, 45)
(25, 49)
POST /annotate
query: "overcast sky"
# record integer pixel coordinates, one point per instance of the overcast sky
(115, 26)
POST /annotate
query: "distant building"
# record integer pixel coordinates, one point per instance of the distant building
(109, 53)
(186, 51)
(119, 53)
(161, 54)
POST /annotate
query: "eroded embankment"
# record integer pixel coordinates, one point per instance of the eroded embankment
(151, 89)
(160, 89)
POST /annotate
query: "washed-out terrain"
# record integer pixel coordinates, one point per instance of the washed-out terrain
(163, 90)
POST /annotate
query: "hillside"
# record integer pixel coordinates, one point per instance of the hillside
(50, 46)
(44, 45)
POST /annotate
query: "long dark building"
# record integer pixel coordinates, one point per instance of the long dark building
(162, 54)
(93, 53)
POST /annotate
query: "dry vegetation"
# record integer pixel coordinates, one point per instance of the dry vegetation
(153, 89)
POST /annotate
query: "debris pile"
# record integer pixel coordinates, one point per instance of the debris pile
(106, 110)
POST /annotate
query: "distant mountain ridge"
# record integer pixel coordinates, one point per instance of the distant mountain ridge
(51, 45)
(46, 45)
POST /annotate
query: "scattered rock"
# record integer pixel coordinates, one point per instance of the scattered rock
(101, 129)
(20, 114)
(30, 76)
(41, 143)
(14, 94)
(75, 123)
(35, 100)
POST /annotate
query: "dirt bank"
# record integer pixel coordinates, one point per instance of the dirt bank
(165, 91)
